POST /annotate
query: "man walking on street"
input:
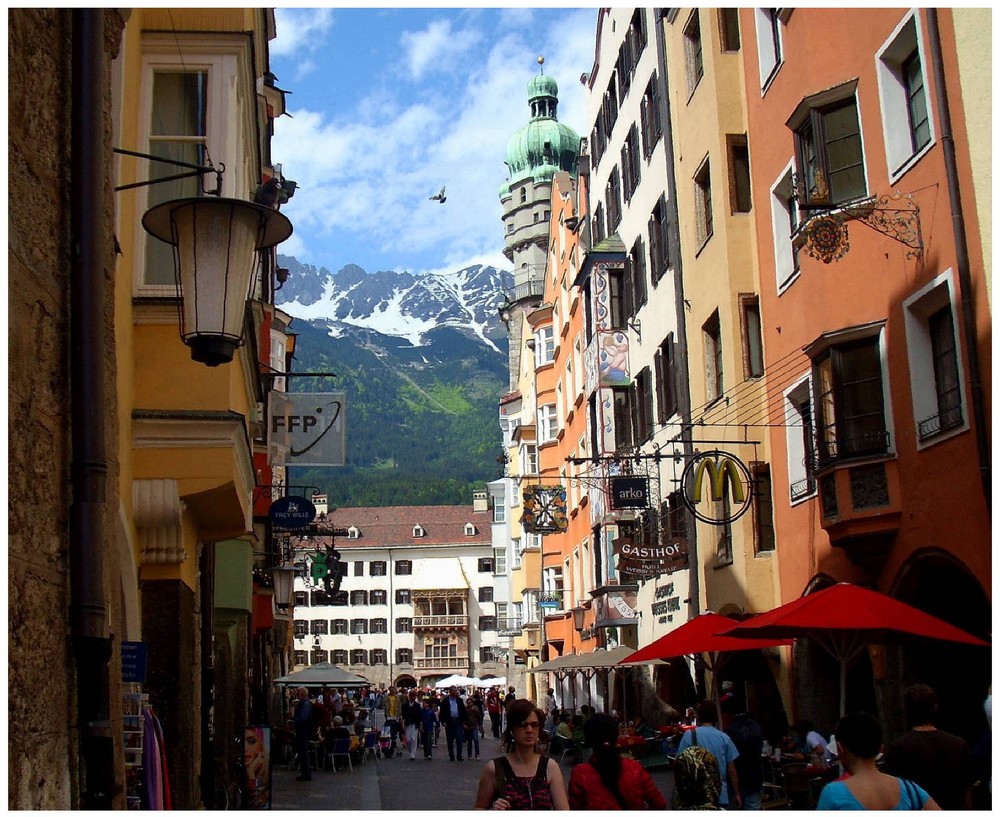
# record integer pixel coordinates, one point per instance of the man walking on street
(493, 706)
(303, 721)
(721, 746)
(937, 761)
(412, 720)
(452, 715)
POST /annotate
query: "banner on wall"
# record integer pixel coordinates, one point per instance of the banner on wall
(257, 766)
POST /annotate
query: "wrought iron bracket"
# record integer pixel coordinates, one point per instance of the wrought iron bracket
(900, 223)
(195, 170)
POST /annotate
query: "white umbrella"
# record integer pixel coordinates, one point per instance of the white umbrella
(455, 681)
(491, 682)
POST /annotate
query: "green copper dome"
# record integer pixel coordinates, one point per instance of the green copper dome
(544, 146)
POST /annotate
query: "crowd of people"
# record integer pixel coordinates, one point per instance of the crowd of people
(716, 765)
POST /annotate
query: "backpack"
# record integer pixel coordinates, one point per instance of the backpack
(697, 782)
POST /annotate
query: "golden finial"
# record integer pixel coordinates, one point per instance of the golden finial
(541, 62)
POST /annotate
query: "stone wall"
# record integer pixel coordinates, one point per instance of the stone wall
(43, 768)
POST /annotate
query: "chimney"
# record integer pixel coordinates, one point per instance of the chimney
(480, 501)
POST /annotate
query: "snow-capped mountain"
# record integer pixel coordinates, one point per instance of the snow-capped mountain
(354, 303)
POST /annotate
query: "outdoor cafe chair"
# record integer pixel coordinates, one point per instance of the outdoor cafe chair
(370, 746)
(339, 747)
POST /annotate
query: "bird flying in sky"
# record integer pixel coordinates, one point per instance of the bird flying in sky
(440, 197)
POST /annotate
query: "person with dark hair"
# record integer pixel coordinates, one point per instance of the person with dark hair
(452, 717)
(938, 761)
(859, 739)
(607, 780)
(748, 737)
(522, 779)
(720, 746)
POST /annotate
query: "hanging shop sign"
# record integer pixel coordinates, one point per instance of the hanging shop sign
(307, 428)
(629, 492)
(292, 512)
(617, 608)
(544, 509)
(668, 552)
(728, 478)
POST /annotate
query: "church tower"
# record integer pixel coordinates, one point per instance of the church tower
(534, 154)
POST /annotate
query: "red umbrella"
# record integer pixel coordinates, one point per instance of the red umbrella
(707, 633)
(844, 619)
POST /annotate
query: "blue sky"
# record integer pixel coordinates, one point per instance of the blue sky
(389, 104)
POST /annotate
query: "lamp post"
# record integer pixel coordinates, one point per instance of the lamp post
(214, 241)
(284, 585)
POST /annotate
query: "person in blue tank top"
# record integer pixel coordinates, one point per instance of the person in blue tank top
(859, 739)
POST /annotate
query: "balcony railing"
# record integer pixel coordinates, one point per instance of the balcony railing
(440, 621)
(528, 289)
(443, 662)
(508, 626)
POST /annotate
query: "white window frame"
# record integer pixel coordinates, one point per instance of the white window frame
(545, 346)
(548, 423)
(917, 309)
(499, 512)
(529, 458)
(500, 561)
(231, 99)
(785, 271)
(516, 550)
(769, 60)
(799, 392)
(899, 153)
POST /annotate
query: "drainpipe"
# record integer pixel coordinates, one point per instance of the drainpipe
(88, 599)
(961, 255)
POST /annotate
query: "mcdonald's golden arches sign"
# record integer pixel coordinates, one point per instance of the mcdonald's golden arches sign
(727, 479)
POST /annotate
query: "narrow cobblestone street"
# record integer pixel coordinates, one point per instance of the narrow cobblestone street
(399, 785)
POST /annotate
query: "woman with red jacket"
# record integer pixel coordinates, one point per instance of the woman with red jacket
(609, 781)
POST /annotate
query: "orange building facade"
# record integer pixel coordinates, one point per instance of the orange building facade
(877, 333)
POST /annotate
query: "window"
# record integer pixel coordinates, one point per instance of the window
(703, 202)
(301, 628)
(673, 522)
(800, 438)
(359, 626)
(470, 529)
(729, 29)
(739, 173)
(516, 551)
(769, 55)
(613, 196)
(404, 625)
(418, 532)
(637, 293)
(545, 346)
(712, 340)
(486, 565)
(339, 599)
(178, 131)
(934, 357)
(359, 657)
(763, 507)
(692, 52)
(404, 567)
(784, 226)
(499, 510)
(440, 647)
(380, 657)
(487, 623)
(529, 458)
(500, 561)
(338, 626)
(829, 154)
(597, 225)
(724, 546)
(301, 598)
(318, 656)
(617, 306)
(643, 403)
(359, 568)
(301, 657)
(666, 374)
(623, 418)
(659, 247)
(404, 656)
(533, 541)
(487, 655)
(631, 165)
(850, 405)
(485, 594)
(403, 596)
(649, 118)
(318, 627)
(379, 597)
(377, 569)
(353, 533)
(359, 597)
(904, 98)
(379, 625)
(319, 598)
(548, 424)
(753, 352)
(339, 656)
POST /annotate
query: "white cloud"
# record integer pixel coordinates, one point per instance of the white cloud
(366, 173)
(300, 30)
